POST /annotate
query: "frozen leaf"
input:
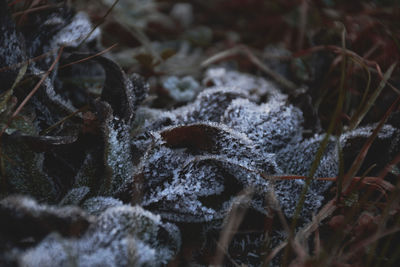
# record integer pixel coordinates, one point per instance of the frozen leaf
(386, 145)
(121, 92)
(75, 32)
(209, 105)
(217, 139)
(75, 196)
(97, 205)
(47, 31)
(121, 236)
(297, 158)
(256, 87)
(181, 90)
(120, 98)
(12, 50)
(117, 156)
(28, 219)
(272, 125)
(24, 171)
(193, 172)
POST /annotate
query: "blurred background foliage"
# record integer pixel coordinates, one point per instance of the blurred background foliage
(299, 40)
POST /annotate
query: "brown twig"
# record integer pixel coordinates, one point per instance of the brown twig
(89, 57)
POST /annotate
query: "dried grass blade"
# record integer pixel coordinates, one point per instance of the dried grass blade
(368, 241)
(90, 57)
(363, 153)
(357, 120)
(234, 220)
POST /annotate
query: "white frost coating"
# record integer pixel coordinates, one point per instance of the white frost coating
(236, 138)
(118, 154)
(121, 236)
(244, 143)
(75, 32)
(32, 208)
(387, 131)
(271, 126)
(75, 196)
(145, 118)
(65, 104)
(255, 86)
(97, 205)
(182, 89)
(11, 52)
(297, 158)
(209, 105)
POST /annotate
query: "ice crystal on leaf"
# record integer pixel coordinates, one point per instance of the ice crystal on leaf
(272, 125)
(225, 147)
(225, 142)
(256, 87)
(181, 90)
(209, 105)
(119, 236)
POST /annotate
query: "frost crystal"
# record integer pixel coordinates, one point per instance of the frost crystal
(74, 33)
(222, 143)
(191, 167)
(97, 205)
(181, 90)
(256, 87)
(120, 236)
(272, 125)
(118, 155)
(209, 105)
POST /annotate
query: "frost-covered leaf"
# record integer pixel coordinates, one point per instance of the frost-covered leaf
(181, 90)
(47, 31)
(120, 236)
(12, 49)
(28, 219)
(209, 105)
(199, 162)
(297, 158)
(24, 171)
(272, 125)
(75, 196)
(256, 87)
(97, 205)
(384, 148)
(119, 100)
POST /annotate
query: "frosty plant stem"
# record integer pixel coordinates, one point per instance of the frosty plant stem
(365, 108)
